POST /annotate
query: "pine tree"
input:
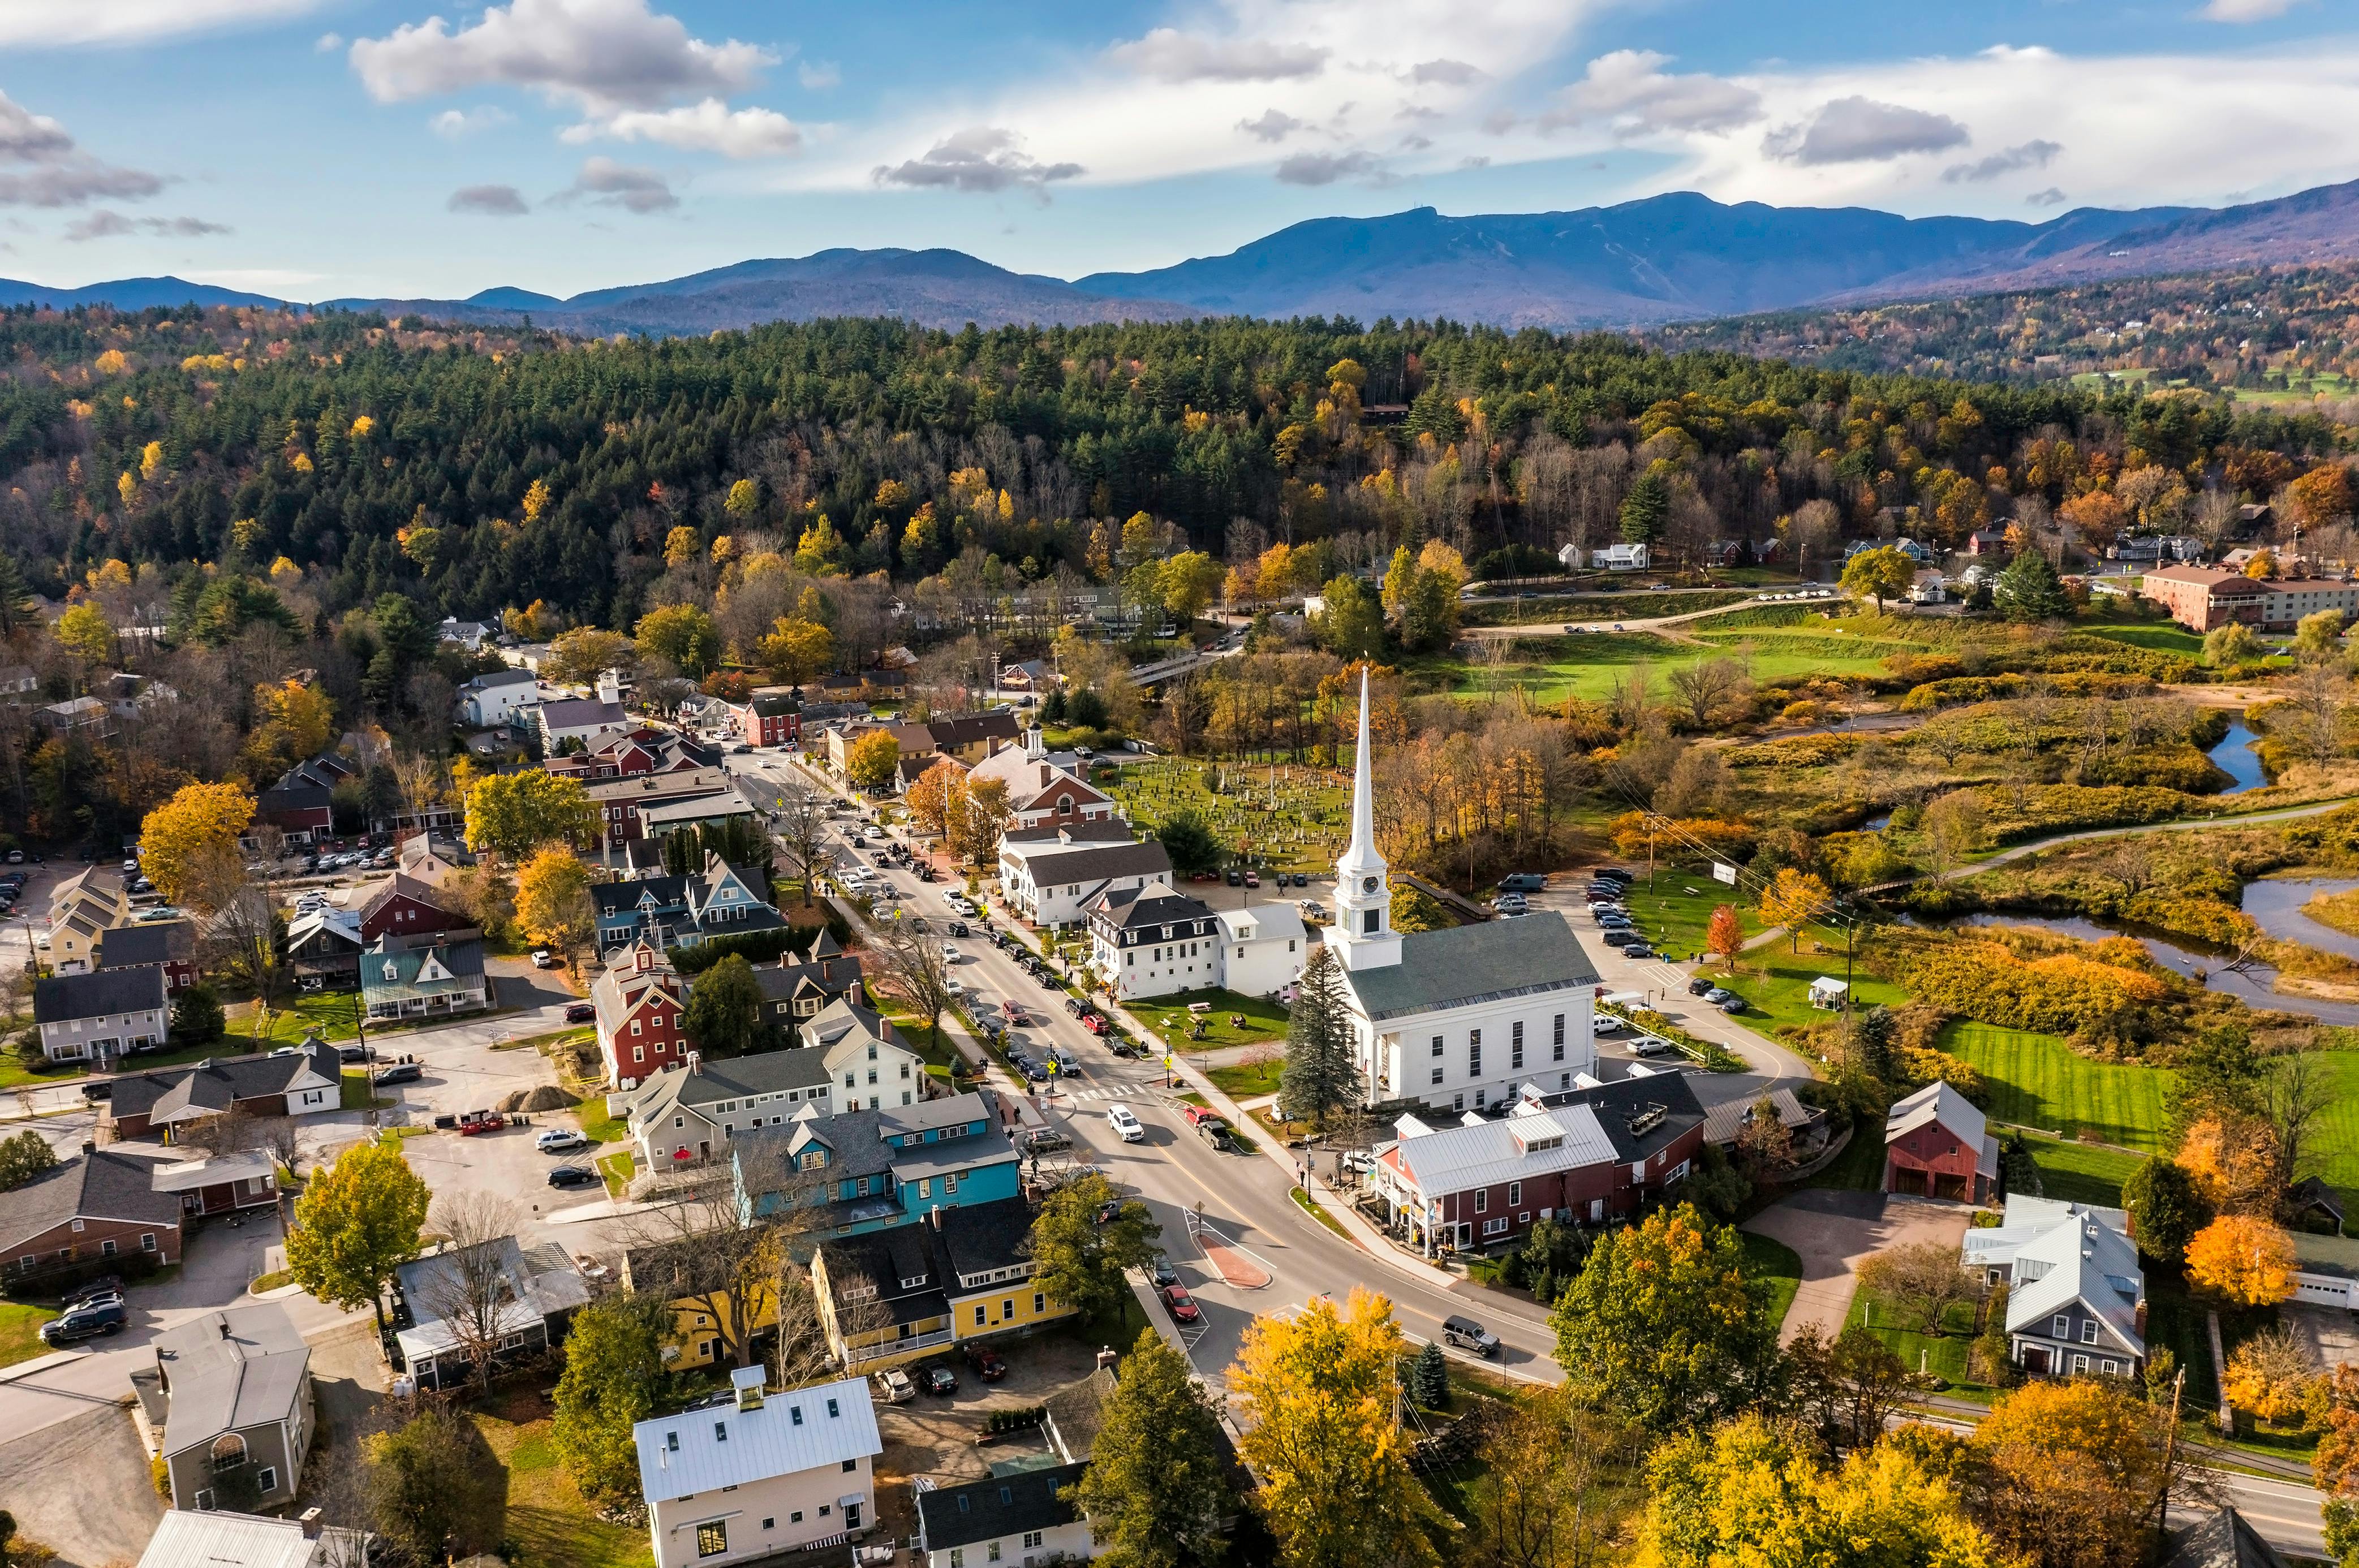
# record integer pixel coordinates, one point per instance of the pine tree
(1429, 1378)
(15, 599)
(2030, 590)
(1319, 1076)
(1644, 509)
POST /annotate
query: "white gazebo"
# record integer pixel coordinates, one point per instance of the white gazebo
(1826, 991)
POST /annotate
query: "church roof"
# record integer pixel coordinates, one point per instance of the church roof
(1471, 963)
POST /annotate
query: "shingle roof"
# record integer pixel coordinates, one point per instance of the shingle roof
(101, 1183)
(791, 1432)
(1154, 905)
(2224, 1541)
(152, 942)
(1084, 864)
(771, 1073)
(580, 712)
(213, 1083)
(1488, 961)
(99, 994)
(229, 1370)
(996, 1508)
(981, 1238)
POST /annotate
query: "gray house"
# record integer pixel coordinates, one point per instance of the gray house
(507, 1302)
(227, 1407)
(2076, 1298)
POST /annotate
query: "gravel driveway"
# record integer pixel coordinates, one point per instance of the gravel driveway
(1835, 1232)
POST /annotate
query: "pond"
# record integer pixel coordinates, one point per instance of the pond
(2251, 983)
(2275, 908)
(2234, 756)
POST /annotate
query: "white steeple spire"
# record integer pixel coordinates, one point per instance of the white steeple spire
(1363, 937)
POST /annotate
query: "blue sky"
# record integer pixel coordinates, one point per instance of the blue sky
(315, 149)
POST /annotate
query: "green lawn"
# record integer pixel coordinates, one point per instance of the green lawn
(1675, 912)
(548, 1523)
(20, 1331)
(1860, 1168)
(1168, 1016)
(1778, 1263)
(1944, 1355)
(1239, 1081)
(333, 1012)
(1550, 669)
(1776, 983)
(618, 1169)
(2080, 1173)
(597, 1125)
(2036, 1081)
(354, 1088)
(2161, 638)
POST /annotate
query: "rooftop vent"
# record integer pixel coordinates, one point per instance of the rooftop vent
(1647, 1118)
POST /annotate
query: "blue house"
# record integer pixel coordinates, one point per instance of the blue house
(680, 912)
(866, 1170)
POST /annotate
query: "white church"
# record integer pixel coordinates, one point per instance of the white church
(1461, 1018)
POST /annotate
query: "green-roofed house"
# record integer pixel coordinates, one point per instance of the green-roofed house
(423, 977)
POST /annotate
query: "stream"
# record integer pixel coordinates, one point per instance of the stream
(2251, 985)
(2235, 758)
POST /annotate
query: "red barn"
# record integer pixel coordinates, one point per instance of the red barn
(640, 1003)
(407, 907)
(1935, 1146)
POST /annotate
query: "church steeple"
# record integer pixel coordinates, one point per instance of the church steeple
(1363, 936)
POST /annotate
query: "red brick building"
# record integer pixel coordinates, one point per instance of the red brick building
(1935, 1146)
(2203, 598)
(407, 907)
(1584, 1155)
(772, 717)
(640, 1003)
(99, 1204)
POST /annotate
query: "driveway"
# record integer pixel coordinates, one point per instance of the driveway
(1835, 1232)
(81, 1485)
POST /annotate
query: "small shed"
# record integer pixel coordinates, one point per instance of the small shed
(1826, 991)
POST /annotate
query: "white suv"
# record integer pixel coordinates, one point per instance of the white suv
(1126, 1125)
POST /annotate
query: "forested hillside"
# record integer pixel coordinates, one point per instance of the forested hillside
(477, 470)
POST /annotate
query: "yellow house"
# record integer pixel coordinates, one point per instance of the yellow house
(895, 1296)
(703, 1308)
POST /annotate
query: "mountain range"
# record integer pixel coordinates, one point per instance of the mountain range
(1669, 257)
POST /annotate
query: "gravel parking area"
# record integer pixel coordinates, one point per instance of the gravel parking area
(81, 1485)
(1835, 1232)
(931, 1436)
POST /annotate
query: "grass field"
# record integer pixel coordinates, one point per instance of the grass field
(1294, 819)
(1550, 669)
(2169, 638)
(1775, 984)
(1240, 1081)
(2081, 1172)
(20, 1331)
(2036, 1081)
(1778, 1263)
(1168, 1017)
(1943, 1354)
(547, 1520)
(1550, 609)
(1675, 914)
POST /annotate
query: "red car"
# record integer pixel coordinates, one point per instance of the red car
(1093, 1023)
(987, 1363)
(482, 1121)
(1012, 1011)
(1181, 1304)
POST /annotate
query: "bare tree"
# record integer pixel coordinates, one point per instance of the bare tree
(2295, 1094)
(470, 1290)
(1922, 1280)
(801, 822)
(692, 1250)
(1703, 687)
(915, 969)
(238, 927)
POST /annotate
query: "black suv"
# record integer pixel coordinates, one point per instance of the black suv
(85, 1322)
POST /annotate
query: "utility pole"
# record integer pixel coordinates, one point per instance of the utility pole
(2169, 1453)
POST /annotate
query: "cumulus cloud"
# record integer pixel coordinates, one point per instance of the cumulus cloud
(452, 124)
(819, 75)
(2031, 155)
(1446, 72)
(1327, 168)
(41, 167)
(1167, 54)
(1415, 143)
(327, 43)
(104, 225)
(1629, 88)
(981, 158)
(2051, 197)
(1860, 129)
(490, 201)
(603, 55)
(606, 183)
(2247, 10)
(709, 126)
(34, 23)
(1499, 122)
(1274, 125)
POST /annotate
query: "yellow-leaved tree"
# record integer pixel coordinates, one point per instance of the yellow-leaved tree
(871, 760)
(180, 840)
(1793, 900)
(1337, 1491)
(795, 650)
(84, 632)
(512, 815)
(2243, 1260)
(937, 797)
(552, 900)
(536, 500)
(681, 546)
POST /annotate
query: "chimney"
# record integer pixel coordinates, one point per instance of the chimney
(695, 1063)
(934, 1216)
(309, 1521)
(225, 1326)
(89, 1147)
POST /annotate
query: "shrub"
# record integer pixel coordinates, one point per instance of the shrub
(2032, 981)
(1795, 751)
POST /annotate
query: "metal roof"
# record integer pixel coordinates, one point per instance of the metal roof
(231, 1370)
(2079, 1258)
(209, 1539)
(1490, 960)
(1936, 1102)
(816, 1428)
(1456, 1159)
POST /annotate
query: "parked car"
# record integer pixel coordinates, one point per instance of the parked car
(559, 1141)
(1718, 995)
(86, 1322)
(894, 1387)
(1236, 879)
(1734, 1006)
(543, 959)
(1653, 1045)
(1033, 1069)
(581, 1012)
(1181, 1305)
(99, 1288)
(474, 1122)
(1252, 878)
(1620, 937)
(572, 1176)
(1125, 1125)
(939, 1380)
(1637, 950)
(1702, 985)
(1108, 1211)
(988, 1364)
(401, 1072)
(951, 955)
(1608, 1023)
(1161, 1272)
(1468, 1335)
(1522, 882)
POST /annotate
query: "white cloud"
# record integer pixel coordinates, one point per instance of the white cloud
(1169, 55)
(1861, 129)
(980, 159)
(327, 43)
(1446, 72)
(2247, 10)
(452, 124)
(1272, 126)
(103, 225)
(604, 56)
(709, 126)
(2051, 197)
(35, 23)
(819, 75)
(606, 183)
(2034, 154)
(489, 200)
(1629, 89)
(41, 167)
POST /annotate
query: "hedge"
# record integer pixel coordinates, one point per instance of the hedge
(758, 947)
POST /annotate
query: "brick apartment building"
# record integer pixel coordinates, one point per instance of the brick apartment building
(2201, 598)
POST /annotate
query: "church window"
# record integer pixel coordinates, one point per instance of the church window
(1369, 928)
(1437, 1045)
(1475, 1052)
(1516, 1045)
(1560, 1038)
(1436, 1075)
